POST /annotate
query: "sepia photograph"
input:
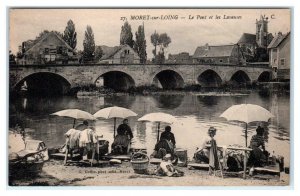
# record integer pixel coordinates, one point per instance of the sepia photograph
(149, 97)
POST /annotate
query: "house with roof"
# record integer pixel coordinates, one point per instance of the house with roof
(280, 56)
(181, 58)
(47, 49)
(122, 54)
(222, 54)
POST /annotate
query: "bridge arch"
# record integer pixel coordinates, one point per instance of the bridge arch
(264, 77)
(240, 77)
(168, 79)
(43, 83)
(209, 78)
(117, 80)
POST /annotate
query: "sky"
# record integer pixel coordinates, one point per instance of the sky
(192, 28)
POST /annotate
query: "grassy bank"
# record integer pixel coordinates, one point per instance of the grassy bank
(263, 88)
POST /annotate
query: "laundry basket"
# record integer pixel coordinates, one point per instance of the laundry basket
(139, 162)
(182, 157)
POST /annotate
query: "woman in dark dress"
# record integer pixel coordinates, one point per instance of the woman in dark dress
(258, 155)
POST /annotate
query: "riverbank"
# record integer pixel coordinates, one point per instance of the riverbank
(265, 88)
(56, 174)
(198, 93)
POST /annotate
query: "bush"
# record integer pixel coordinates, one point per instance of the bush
(143, 89)
(194, 87)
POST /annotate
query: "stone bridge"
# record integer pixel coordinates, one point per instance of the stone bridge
(63, 78)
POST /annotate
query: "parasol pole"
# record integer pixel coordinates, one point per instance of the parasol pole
(115, 119)
(158, 127)
(246, 134)
(74, 122)
(245, 154)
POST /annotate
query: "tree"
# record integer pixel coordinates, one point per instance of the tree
(126, 35)
(98, 53)
(45, 32)
(70, 35)
(12, 58)
(163, 41)
(140, 44)
(261, 55)
(88, 44)
(154, 41)
(270, 38)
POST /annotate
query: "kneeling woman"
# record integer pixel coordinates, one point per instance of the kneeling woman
(120, 145)
(258, 155)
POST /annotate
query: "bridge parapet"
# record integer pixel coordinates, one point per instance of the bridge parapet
(252, 64)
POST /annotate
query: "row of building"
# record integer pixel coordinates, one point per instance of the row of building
(261, 48)
(250, 48)
(52, 49)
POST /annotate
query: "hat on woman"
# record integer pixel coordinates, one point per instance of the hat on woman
(260, 130)
(86, 123)
(212, 130)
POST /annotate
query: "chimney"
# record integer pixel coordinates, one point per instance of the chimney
(206, 46)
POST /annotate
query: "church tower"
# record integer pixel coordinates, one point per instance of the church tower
(262, 32)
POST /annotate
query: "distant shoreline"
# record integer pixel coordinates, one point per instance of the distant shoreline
(283, 87)
(197, 93)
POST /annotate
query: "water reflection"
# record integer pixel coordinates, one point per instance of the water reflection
(119, 100)
(264, 93)
(43, 105)
(141, 131)
(195, 114)
(24, 105)
(168, 101)
(209, 100)
(238, 100)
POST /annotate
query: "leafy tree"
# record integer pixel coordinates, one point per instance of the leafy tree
(155, 42)
(21, 50)
(270, 37)
(160, 57)
(12, 58)
(163, 41)
(70, 35)
(126, 35)
(261, 55)
(98, 53)
(88, 44)
(42, 34)
(140, 44)
(45, 32)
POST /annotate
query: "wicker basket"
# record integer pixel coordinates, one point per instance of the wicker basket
(139, 162)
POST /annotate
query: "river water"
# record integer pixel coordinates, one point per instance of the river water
(195, 113)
